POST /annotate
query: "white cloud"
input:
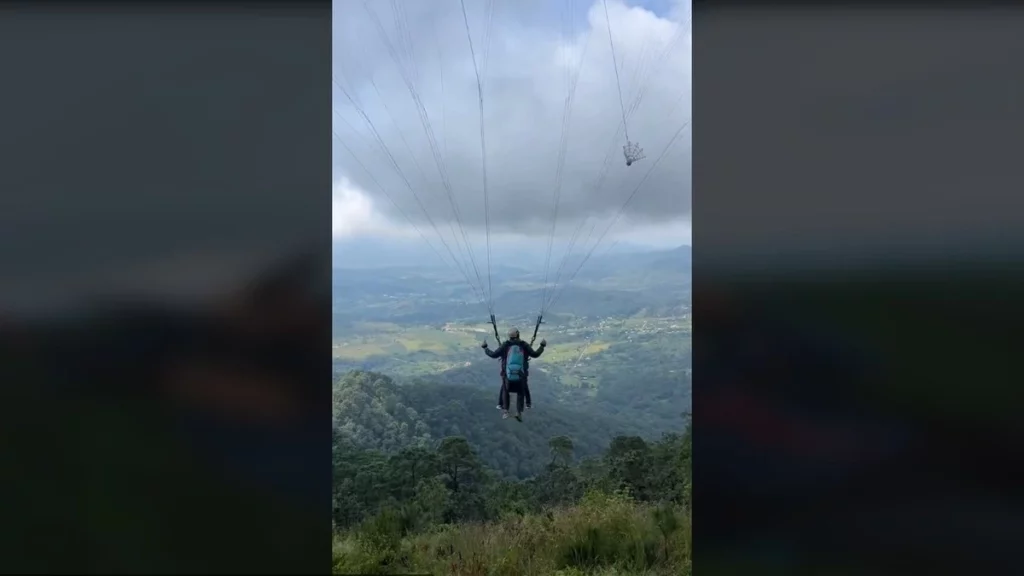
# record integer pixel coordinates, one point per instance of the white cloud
(668, 235)
(524, 93)
(354, 213)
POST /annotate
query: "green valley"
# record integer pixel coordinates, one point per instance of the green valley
(430, 479)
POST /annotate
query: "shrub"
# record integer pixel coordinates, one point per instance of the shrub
(604, 535)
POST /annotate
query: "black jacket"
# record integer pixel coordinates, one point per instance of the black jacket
(502, 352)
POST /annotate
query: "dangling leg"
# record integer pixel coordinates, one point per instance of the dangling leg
(526, 390)
(504, 399)
(519, 404)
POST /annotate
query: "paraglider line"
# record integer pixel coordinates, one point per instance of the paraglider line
(615, 65)
(483, 155)
(622, 210)
(431, 140)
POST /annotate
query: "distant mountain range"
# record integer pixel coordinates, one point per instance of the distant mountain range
(373, 253)
(677, 259)
(611, 284)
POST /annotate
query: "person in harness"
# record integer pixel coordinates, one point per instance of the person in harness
(515, 357)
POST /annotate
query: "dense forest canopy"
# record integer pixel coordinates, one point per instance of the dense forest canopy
(389, 506)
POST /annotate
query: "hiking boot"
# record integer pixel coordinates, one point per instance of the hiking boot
(504, 414)
(498, 406)
(519, 416)
(529, 406)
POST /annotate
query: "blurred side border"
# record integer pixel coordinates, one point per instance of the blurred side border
(165, 304)
(857, 271)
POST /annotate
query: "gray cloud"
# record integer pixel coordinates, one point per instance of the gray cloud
(525, 86)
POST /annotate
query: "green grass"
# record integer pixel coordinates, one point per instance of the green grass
(377, 327)
(414, 344)
(423, 351)
(604, 535)
(357, 352)
(569, 353)
(415, 351)
(389, 339)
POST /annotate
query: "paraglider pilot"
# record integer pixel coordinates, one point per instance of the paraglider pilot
(515, 357)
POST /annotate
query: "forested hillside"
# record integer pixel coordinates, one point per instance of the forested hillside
(439, 509)
(638, 383)
(372, 411)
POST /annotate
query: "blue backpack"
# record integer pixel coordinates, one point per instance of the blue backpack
(515, 366)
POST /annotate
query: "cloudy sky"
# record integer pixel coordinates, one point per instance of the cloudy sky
(408, 81)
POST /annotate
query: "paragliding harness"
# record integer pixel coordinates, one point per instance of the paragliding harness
(515, 360)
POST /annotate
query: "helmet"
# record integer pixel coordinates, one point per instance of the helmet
(513, 333)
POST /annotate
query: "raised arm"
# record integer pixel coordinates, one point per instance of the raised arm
(495, 353)
(536, 353)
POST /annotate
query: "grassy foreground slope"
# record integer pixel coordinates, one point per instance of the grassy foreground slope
(602, 535)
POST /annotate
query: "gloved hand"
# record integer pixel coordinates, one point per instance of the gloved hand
(484, 344)
(543, 343)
